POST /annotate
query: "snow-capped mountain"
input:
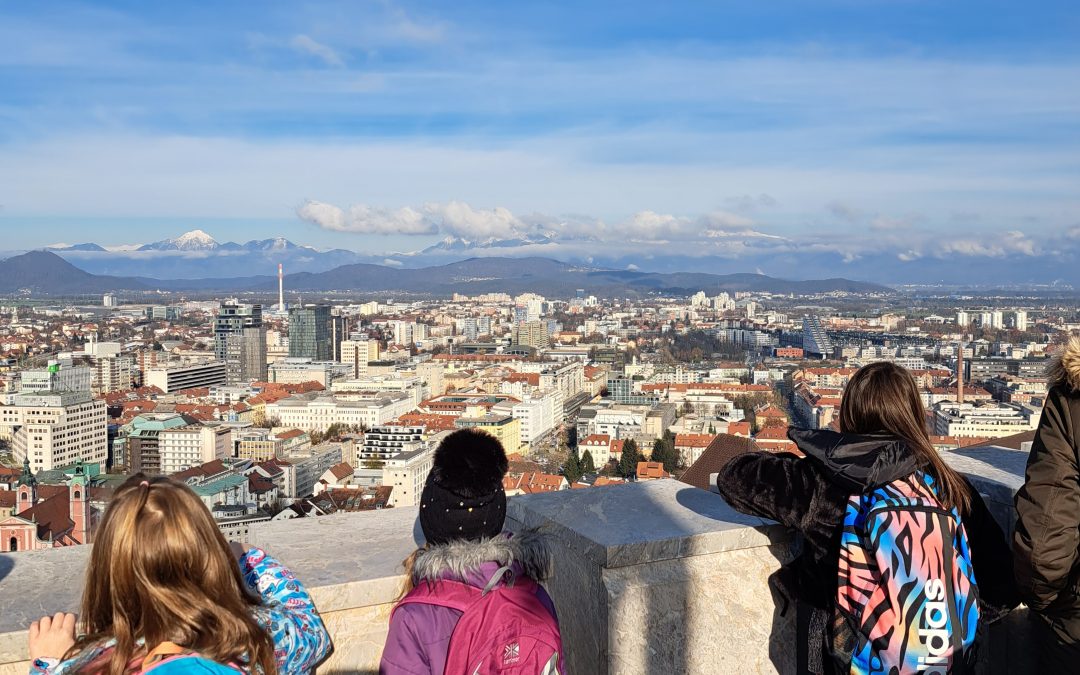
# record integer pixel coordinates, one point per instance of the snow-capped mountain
(456, 244)
(197, 254)
(196, 240)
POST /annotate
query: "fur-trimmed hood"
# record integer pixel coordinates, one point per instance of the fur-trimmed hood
(1064, 369)
(460, 558)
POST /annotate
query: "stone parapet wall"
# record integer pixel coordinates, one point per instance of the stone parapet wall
(653, 577)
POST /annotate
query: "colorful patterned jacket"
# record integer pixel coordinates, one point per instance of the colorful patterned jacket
(301, 640)
(811, 495)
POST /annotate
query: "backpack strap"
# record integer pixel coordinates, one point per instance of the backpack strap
(161, 652)
(443, 593)
(504, 572)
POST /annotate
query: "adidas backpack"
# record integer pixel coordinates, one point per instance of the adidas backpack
(907, 590)
(504, 629)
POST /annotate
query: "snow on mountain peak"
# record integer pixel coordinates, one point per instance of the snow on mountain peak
(196, 239)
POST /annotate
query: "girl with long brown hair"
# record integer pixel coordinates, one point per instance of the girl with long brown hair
(855, 489)
(165, 590)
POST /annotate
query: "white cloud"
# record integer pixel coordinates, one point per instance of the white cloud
(364, 219)
(308, 45)
(993, 246)
(458, 218)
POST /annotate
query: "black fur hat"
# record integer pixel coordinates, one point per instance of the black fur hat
(464, 497)
(470, 463)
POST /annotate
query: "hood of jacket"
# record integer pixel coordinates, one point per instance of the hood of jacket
(1064, 369)
(856, 462)
(462, 559)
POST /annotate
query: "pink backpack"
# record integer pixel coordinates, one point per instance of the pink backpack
(504, 629)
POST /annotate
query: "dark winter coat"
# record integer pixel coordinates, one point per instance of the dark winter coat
(811, 494)
(1046, 544)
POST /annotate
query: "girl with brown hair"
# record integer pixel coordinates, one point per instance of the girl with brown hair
(164, 590)
(887, 527)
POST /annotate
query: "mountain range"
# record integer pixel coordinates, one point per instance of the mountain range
(197, 255)
(44, 273)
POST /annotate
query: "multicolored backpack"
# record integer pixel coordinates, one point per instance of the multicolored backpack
(503, 629)
(907, 590)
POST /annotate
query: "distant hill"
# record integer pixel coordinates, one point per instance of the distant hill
(46, 273)
(548, 277)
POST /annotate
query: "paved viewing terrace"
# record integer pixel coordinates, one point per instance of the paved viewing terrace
(653, 577)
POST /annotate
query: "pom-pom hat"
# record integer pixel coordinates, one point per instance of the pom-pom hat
(464, 497)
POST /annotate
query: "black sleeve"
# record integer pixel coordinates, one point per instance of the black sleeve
(991, 555)
(775, 486)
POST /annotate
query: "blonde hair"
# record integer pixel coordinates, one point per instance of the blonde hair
(161, 571)
(883, 397)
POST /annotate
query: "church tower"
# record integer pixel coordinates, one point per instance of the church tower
(26, 489)
(79, 503)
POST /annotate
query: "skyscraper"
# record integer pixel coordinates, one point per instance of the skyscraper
(240, 341)
(310, 333)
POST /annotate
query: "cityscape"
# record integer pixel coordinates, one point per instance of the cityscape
(272, 410)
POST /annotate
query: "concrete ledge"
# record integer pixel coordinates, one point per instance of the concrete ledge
(649, 577)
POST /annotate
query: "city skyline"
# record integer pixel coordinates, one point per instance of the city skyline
(895, 134)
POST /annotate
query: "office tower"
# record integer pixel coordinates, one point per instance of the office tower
(240, 341)
(310, 333)
(51, 429)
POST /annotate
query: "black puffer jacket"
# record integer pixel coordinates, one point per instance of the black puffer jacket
(1047, 539)
(811, 494)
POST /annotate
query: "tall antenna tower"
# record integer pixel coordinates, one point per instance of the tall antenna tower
(281, 287)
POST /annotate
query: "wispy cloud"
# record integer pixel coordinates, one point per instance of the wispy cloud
(308, 45)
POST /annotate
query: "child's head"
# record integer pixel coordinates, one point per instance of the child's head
(160, 570)
(884, 398)
(464, 497)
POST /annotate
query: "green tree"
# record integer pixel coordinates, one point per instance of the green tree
(587, 464)
(659, 451)
(630, 458)
(572, 467)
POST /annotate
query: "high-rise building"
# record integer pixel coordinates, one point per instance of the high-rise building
(815, 340)
(997, 320)
(240, 341)
(963, 319)
(245, 356)
(111, 370)
(471, 330)
(357, 352)
(1020, 320)
(531, 334)
(52, 430)
(310, 333)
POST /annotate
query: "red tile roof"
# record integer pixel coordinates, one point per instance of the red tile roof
(650, 470)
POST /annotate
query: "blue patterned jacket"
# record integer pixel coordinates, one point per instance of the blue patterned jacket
(301, 640)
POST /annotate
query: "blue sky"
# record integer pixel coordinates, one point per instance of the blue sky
(854, 126)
